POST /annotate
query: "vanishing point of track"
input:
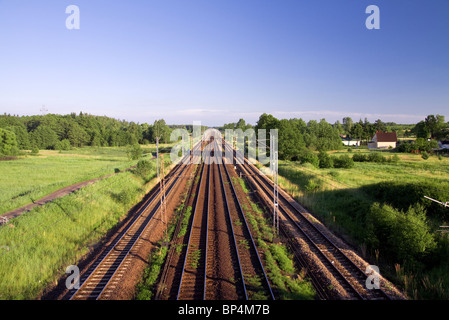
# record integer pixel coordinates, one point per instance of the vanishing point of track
(219, 239)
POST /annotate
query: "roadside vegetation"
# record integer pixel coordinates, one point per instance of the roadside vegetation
(380, 208)
(36, 247)
(288, 282)
(373, 199)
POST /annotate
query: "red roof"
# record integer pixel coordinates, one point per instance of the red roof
(386, 136)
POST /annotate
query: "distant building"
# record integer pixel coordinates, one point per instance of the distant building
(383, 140)
(347, 141)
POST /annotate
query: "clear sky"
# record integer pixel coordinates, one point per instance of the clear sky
(216, 61)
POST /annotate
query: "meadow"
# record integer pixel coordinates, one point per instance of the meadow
(31, 177)
(380, 209)
(36, 247)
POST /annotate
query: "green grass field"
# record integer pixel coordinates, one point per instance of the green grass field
(30, 178)
(380, 208)
(36, 247)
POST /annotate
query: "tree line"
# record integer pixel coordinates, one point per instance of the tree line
(297, 140)
(63, 132)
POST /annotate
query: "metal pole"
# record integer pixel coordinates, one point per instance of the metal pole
(157, 156)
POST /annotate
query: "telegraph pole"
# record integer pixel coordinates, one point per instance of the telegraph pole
(163, 196)
(157, 156)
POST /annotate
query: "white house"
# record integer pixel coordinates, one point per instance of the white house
(347, 141)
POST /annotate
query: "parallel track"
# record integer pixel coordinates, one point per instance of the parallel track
(349, 275)
(99, 280)
(199, 279)
(250, 261)
(193, 275)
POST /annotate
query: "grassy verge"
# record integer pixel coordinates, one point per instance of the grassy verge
(30, 178)
(36, 247)
(380, 207)
(285, 279)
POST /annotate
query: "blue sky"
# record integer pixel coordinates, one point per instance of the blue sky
(216, 61)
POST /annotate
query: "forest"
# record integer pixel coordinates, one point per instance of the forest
(298, 140)
(301, 141)
(63, 132)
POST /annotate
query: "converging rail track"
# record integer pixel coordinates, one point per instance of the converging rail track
(220, 252)
(100, 280)
(345, 271)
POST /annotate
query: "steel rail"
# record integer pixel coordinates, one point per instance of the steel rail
(267, 283)
(232, 230)
(268, 192)
(195, 211)
(171, 179)
(298, 214)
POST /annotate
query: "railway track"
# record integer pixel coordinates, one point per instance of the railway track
(249, 261)
(193, 276)
(221, 253)
(345, 271)
(100, 280)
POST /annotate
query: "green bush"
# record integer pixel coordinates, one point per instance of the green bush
(311, 158)
(325, 160)
(63, 145)
(424, 155)
(145, 169)
(402, 236)
(359, 157)
(376, 157)
(134, 152)
(344, 161)
(405, 147)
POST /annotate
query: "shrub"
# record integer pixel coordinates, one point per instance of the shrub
(344, 161)
(402, 236)
(63, 145)
(134, 152)
(144, 169)
(310, 157)
(394, 159)
(325, 160)
(359, 157)
(313, 185)
(376, 157)
(424, 155)
(404, 147)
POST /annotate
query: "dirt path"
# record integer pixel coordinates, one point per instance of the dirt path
(57, 194)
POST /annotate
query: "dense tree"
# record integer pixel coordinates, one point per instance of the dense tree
(347, 125)
(44, 137)
(45, 131)
(434, 125)
(290, 140)
(8, 143)
(160, 130)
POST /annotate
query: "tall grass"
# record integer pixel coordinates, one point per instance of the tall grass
(380, 208)
(289, 283)
(36, 247)
(30, 178)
